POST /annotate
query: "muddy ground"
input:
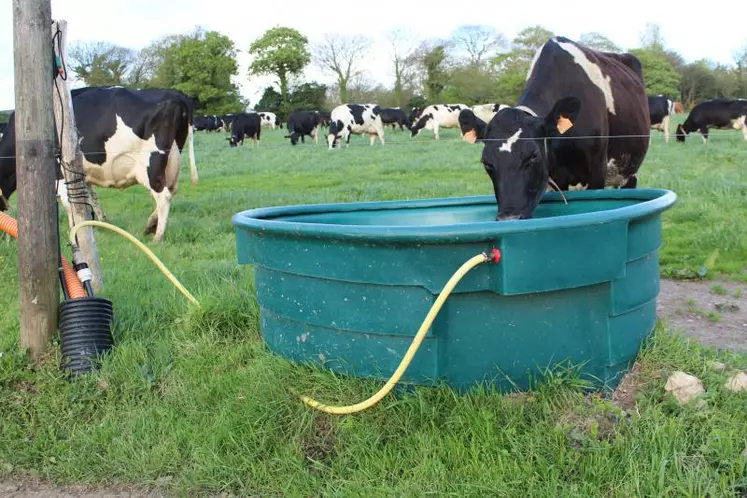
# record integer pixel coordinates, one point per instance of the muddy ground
(711, 313)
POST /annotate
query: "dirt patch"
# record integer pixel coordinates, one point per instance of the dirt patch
(712, 313)
(320, 444)
(627, 390)
(34, 488)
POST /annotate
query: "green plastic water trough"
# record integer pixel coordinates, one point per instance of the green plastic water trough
(348, 285)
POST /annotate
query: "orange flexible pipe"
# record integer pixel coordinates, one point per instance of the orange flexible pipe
(9, 225)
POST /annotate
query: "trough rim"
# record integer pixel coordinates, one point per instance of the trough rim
(261, 220)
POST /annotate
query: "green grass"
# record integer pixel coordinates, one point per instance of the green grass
(191, 395)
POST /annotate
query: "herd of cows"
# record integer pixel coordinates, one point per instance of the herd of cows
(130, 137)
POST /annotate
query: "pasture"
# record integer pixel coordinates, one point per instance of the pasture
(190, 401)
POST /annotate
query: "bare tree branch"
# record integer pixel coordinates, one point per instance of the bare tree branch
(341, 56)
(479, 42)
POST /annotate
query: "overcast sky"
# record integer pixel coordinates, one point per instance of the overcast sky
(696, 34)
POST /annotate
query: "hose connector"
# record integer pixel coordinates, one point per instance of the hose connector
(85, 275)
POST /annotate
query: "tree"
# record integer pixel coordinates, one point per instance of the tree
(101, 63)
(658, 73)
(201, 65)
(652, 39)
(478, 42)
(514, 65)
(341, 56)
(308, 96)
(270, 101)
(598, 41)
(471, 85)
(404, 60)
(432, 59)
(282, 52)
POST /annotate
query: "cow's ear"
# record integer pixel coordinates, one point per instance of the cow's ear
(468, 126)
(563, 115)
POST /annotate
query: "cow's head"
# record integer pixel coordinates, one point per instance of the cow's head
(233, 141)
(472, 127)
(420, 124)
(336, 129)
(681, 133)
(515, 155)
(293, 138)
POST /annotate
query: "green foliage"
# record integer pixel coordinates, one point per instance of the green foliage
(470, 85)
(270, 101)
(598, 41)
(658, 73)
(201, 64)
(101, 63)
(282, 52)
(4, 117)
(416, 101)
(435, 73)
(308, 97)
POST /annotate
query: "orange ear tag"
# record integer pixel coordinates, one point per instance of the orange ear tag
(564, 124)
(470, 136)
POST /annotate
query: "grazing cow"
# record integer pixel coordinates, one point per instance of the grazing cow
(394, 116)
(269, 119)
(570, 91)
(660, 109)
(717, 113)
(355, 119)
(126, 138)
(245, 125)
(208, 123)
(301, 123)
(437, 116)
(487, 111)
(471, 126)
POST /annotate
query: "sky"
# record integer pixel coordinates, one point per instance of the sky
(135, 23)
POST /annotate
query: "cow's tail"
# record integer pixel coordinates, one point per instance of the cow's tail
(191, 147)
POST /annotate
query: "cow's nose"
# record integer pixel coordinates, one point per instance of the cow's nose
(509, 217)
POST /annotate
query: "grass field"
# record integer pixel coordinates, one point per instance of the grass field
(191, 401)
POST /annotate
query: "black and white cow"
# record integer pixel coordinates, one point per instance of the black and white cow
(302, 123)
(270, 119)
(355, 119)
(574, 98)
(660, 110)
(245, 125)
(127, 138)
(394, 116)
(208, 123)
(415, 113)
(487, 111)
(437, 116)
(717, 113)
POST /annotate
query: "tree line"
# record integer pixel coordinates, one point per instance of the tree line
(475, 64)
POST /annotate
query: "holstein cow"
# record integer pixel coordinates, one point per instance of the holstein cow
(126, 139)
(302, 123)
(719, 114)
(437, 116)
(355, 119)
(245, 125)
(660, 109)
(571, 91)
(208, 123)
(394, 116)
(487, 111)
(270, 119)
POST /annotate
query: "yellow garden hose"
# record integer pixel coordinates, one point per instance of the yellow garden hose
(494, 256)
(139, 245)
(417, 340)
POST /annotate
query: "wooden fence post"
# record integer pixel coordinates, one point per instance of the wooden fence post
(78, 191)
(39, 289)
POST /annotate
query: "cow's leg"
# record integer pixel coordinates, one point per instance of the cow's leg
(380, 134)
(435, 130)
(665, 128)
(160, 216)
(704, 134)
(371, 139)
